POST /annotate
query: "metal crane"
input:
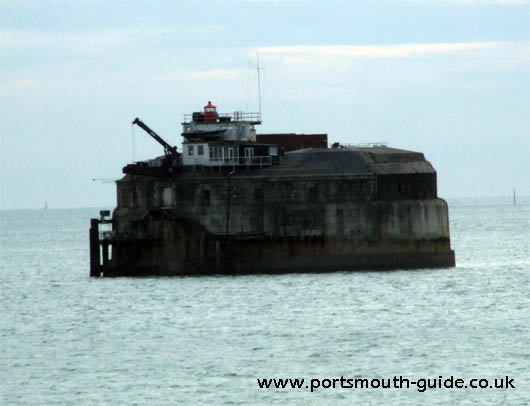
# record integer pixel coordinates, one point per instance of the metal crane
(168, 149)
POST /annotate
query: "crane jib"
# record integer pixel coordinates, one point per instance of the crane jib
(168, 149)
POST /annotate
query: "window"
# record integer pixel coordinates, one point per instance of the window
(200, 150)
(313, 194)
(125, 198)
(273, 151)
(190, 150)
(249, 152)
(206, 197)
(167, 196)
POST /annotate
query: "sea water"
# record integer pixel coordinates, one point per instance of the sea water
(67, 339)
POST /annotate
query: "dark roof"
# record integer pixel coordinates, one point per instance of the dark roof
(333, 161)
(381, 160)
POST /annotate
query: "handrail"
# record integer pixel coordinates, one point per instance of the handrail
(237, 116)
(364, 145)
(259, 160)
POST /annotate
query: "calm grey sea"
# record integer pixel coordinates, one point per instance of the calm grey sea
(66, 339)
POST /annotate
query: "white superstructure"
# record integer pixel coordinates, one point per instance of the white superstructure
(212, 139)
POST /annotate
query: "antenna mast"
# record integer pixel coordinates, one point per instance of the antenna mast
(259, 83)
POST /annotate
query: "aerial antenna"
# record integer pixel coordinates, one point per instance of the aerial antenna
(107, 180)
(248, 84)
(259, 83)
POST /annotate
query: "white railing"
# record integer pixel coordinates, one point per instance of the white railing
(242, 161)
(236, 116)
(364, 145)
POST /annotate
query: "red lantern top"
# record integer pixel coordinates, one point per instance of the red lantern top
(209, 106)
(210, 113)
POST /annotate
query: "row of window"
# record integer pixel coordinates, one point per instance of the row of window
(228, 152)
(200, 150)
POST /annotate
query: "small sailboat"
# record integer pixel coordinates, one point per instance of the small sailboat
(45, 205)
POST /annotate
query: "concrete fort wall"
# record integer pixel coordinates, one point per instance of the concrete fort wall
(266, 224)
(332, 206)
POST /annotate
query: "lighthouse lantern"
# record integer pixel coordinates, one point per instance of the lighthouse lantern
(210, 113)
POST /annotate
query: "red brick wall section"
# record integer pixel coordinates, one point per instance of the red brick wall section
(291, 141)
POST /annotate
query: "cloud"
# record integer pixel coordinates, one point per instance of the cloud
(495, 2)
(30, 38)
(462, 2)
(354, 74)
(348, 56)
(274, 1)
(473, 2)
(97, 38)
(215, 74)
(296, 54)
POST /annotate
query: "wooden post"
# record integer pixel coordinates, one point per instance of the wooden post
(217, 255)
(95, 264)
(105, 246)
(201, 244)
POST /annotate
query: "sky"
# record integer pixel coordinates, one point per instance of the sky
(449, 78)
